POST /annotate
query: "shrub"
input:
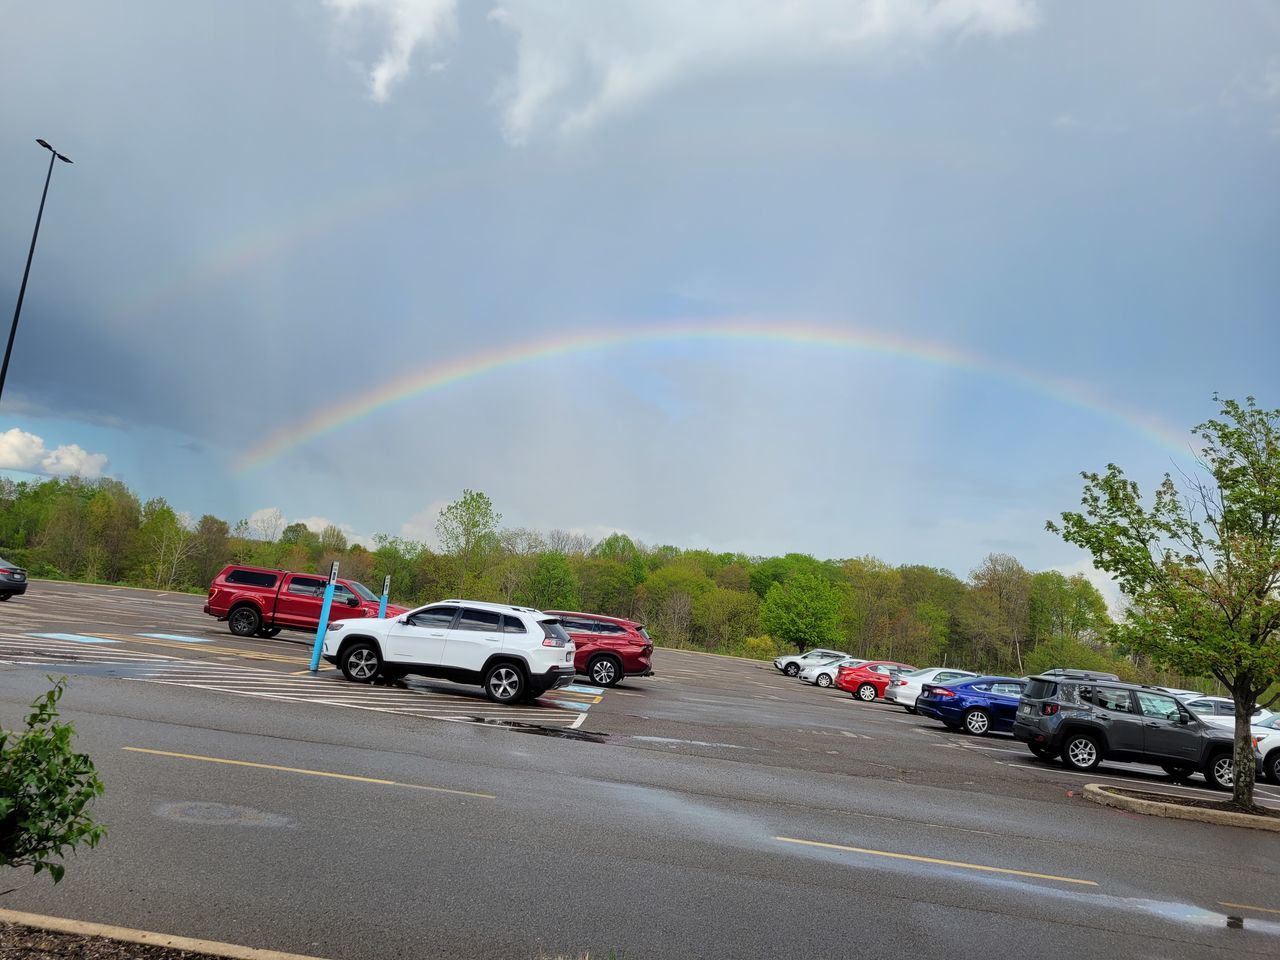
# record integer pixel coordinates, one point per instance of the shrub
(45, 787)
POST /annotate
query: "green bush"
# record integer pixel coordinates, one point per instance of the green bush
(45, 787)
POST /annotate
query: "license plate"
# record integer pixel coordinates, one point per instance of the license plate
(19, 576)
(1024, 709)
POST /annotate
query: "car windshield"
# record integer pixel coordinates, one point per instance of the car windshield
(362, 590)
(1271, 723)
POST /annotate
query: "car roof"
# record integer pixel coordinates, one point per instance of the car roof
(485, 605)
(622, 621)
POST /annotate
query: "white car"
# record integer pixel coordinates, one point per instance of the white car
(1220, 711)
(904, 688)
(824, 674)
(1268, 746)
(793, 664)
(514, 653)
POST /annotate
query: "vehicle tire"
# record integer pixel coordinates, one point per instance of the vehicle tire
(977, 722)
(1177, 772)
(1081, 751)
(244, 621)
(361, 662)
(605, 671)
(1271, 766)
(792, 669)
(866, 692)
(824, 680)
(5, 596)
(909, 709)
(505, 683)
(1219, 771)
(1041, 753)
(266, 633)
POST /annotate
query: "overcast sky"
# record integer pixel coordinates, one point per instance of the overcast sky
(1062, 217)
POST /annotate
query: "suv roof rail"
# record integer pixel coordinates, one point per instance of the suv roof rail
(1066, 673)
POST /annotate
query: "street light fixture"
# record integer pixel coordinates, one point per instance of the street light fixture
(22, 290)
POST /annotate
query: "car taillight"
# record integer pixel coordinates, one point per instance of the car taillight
(943, 692)
(552, 642)
(899, 683)
(4, 572)
(1048, 709)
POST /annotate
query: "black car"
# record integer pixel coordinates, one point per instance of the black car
(1085, 720)
(13, 580)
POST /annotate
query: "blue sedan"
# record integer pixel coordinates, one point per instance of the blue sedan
(979, 706)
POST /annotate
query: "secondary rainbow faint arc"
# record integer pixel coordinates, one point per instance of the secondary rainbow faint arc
(441, 375)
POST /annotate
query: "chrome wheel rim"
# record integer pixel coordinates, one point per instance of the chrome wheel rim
(362, 664)
(824, 680)
(505, 683)
(977, 723)
(1224, 771)
(603, 672)
(1082, 753)
(867, 692)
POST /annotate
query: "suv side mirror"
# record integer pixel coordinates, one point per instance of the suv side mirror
(1183, 718)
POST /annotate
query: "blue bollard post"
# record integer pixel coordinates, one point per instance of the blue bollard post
(382, 603)
(324, 617)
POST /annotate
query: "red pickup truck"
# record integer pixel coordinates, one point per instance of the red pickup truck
(257, 602)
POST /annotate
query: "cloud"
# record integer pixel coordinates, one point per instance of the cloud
(579, 60)
(409, 25)
(24, 451)
(422, 525)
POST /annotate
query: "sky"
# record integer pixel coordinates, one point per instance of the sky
(841, 277)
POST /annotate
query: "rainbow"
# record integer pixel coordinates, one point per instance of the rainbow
(439, 376)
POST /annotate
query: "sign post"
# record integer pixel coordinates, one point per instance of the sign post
(382, 602)
(324, 617)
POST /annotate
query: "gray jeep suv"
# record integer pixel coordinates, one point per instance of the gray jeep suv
(1085, 720)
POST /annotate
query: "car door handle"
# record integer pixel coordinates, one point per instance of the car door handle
(493, 639)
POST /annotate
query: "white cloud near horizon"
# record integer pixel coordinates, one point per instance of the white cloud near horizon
(20, 450)
(580, 60)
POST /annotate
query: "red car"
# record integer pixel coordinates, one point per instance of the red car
(259, 602)
(608, 648)
(869, 680)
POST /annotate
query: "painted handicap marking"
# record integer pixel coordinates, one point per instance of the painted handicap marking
(568, 704)
(175, 636)
(73, 637)
(580, 688)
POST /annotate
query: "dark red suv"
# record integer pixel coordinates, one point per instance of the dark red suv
(608, 648)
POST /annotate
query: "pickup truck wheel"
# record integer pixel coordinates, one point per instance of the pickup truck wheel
(605, 671)
(505, 683)
(1219, 771)
(266, 633)
(361, 662)
(244, 621)
(1081, 752)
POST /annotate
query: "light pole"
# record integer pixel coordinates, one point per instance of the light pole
(22, 290)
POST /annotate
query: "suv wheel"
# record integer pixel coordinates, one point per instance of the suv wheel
(361, 662)
(792, 669)
(1271, 766)
(1220, 771)
(605, 671)
(1178, 771)
(504, 683)
(244, 621)
(866, 693)
(824, 680)
(1081, 752)
(977, 722)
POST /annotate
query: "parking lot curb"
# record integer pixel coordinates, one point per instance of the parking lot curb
(1100, 794)
(211, 948)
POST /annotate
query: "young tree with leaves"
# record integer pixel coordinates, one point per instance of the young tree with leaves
(1202, 564)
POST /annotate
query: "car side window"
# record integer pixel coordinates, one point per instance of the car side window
(950, 676)
(1117, 701)
(340, 593)
(984, 687)
(604, 626)
(576, 626)
(438, 617)
(306, 586)
(1201, 707)
(513, 625)
(1225, 709)
(1007, 689)
(485, 621)
(1157, 705)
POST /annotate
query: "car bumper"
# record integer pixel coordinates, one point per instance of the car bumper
(558, 676)
(14, 587)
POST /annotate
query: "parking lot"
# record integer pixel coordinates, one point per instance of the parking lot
(715, 808)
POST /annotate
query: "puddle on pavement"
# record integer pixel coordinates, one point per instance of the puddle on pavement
(220, 815)
(126, 671)
(558, 733)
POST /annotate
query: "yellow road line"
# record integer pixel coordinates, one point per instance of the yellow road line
(1245, 906)
(310, 773)
(935, 860)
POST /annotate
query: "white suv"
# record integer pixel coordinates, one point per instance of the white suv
(515, 653)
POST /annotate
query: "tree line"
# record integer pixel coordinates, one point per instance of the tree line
(1001, 618)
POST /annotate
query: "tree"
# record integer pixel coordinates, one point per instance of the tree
(1007, 588)
(1202, 567)
(211, 548)
(332, 539)
(267, 524)
(166, 545)
(552, 585)
(468, 530)
(802, 611)
(45, 788)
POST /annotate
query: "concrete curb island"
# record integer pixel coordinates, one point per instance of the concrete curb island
(1100, 794)
(210, 947)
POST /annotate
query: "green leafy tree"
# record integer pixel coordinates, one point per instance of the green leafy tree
(552, 585)
(803, 611)
(468, 531)
(45, 790)
(1201, 565)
